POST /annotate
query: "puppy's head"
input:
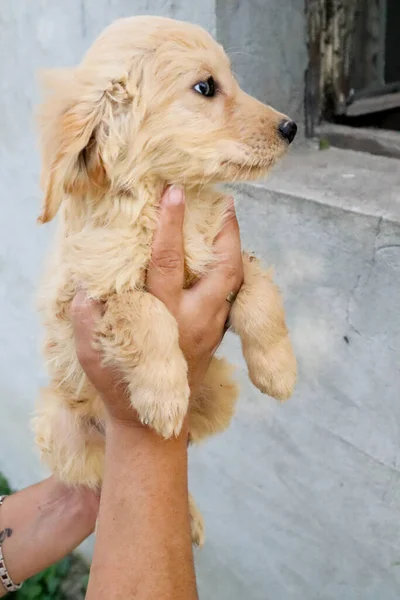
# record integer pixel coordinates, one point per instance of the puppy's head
(153, 97)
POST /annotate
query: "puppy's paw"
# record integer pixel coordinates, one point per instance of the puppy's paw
(197, 531)
(164, 412)
(197, 528)
(273, 372)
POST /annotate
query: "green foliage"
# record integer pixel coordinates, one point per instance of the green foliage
(4, 487)
(323, 143)
(48, 584)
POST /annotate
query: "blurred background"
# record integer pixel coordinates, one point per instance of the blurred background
(301, 500)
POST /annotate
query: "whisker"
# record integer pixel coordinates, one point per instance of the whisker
(241, 53)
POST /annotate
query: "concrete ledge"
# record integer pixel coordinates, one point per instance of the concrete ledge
(352, 181)
(375, 141)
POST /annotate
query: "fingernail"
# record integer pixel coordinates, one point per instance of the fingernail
(175, 195)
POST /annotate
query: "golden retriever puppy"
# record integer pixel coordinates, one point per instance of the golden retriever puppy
(153, 103)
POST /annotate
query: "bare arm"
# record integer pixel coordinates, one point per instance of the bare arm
(143, 546)
(42, 524)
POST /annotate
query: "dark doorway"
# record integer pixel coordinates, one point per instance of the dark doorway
(354, 63)
(392, 42)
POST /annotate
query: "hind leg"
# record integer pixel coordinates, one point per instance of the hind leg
(196, 523)
(212, 409)
(211, 412)
(70, 444)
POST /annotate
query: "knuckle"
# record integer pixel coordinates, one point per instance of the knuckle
(77, 306)
(167, 259)
(230, 273)
(89, 359)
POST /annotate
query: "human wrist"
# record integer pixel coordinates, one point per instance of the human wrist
(78, 501)
(197, 373)
(119, 426)
(128, 441)
(48, 521)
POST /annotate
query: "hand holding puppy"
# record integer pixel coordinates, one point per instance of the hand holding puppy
(201, 312)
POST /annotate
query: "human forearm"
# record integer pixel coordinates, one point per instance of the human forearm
(47, 521)
(143, 547)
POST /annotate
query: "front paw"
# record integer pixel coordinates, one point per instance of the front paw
(164, 412)
(273, 372)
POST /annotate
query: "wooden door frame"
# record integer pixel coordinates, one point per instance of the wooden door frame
(331, 25)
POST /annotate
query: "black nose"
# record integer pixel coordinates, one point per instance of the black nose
(288, 130)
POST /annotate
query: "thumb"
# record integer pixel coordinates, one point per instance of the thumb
(166, 270)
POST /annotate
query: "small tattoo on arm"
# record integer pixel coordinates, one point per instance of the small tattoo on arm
(6, 533)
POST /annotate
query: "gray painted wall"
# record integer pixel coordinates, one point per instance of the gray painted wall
(49, 33)
(266, 40)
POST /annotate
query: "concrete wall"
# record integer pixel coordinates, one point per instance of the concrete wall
(266, 40)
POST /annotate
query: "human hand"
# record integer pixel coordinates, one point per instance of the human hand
(201, 311)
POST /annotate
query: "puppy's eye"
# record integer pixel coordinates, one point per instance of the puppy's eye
(206, 88)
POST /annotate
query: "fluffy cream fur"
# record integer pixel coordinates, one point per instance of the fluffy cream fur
(115, 131)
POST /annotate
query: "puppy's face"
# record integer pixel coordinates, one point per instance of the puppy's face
(199, 124)
(155, 97)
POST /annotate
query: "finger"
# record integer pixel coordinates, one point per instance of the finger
(166, 271)
(85, 312)
(226, 275)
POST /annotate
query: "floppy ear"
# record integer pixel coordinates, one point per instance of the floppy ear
(69, 121)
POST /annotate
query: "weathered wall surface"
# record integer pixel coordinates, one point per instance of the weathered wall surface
(266, 40)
